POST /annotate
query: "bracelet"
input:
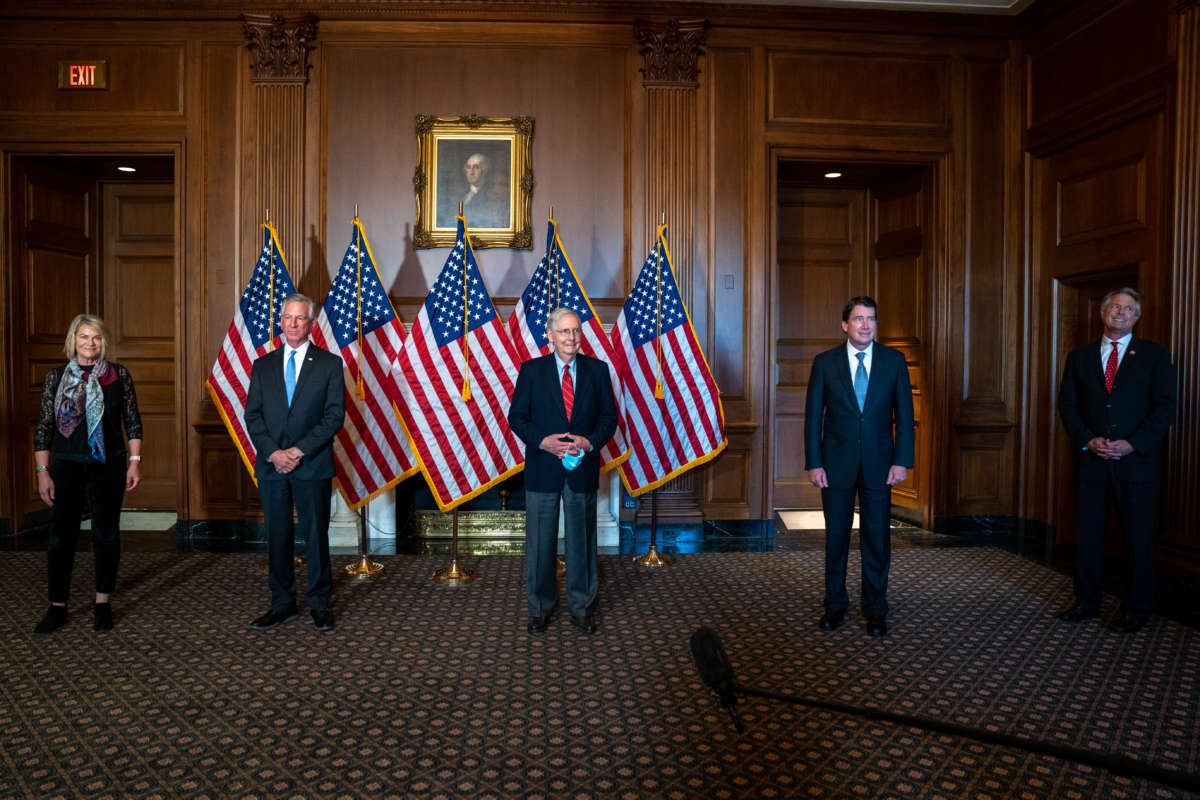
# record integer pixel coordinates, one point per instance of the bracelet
(42, 468)
(135, 458)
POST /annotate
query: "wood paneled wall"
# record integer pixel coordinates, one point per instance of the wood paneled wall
(959, 99)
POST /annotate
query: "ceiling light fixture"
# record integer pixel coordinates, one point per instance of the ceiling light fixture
(833, 174)
(126, 169)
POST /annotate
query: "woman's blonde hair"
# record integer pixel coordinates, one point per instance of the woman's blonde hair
(77, 323)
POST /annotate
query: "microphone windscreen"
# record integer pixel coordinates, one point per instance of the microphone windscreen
(711, 661)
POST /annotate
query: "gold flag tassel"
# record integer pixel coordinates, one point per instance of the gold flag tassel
(658, 389)
(358, 382)
(271, 289)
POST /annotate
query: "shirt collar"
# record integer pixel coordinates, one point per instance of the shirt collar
(1122, 343)
(562, 363)
(854, 351)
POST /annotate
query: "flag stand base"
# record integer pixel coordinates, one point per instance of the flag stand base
(365, 569)
(453, 573)
(653, 558)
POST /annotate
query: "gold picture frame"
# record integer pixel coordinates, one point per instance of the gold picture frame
(485, 163)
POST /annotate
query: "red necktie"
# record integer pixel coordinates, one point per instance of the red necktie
(1110, 369)
(568, 390)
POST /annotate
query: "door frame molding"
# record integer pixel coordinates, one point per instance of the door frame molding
(173, 148)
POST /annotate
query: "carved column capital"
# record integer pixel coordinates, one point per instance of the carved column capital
(671, 51)
(279, 46)
(1183, 6)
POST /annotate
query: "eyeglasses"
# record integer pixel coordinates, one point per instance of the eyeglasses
(1119, 307)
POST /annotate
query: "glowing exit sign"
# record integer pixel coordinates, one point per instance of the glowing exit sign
(83, 74)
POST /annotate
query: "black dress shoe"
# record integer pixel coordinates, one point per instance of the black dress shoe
(538, 624)
(585, 624)
(1131, 623)
(831, 619)
(1077, 613)
(102, 613)
(322, 619)
(56, 617)
(876, 626)
(273, 618)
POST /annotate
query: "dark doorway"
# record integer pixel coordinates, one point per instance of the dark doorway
(866, 231)
(89, 237)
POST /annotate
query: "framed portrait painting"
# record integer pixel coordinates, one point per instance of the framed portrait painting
(484, 163)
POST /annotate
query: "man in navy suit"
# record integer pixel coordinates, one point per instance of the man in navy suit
(858, 439)
(295, 406)
(1117, 401)
(564, 411)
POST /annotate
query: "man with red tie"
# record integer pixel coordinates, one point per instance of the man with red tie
(1116, 402)
(564, 411)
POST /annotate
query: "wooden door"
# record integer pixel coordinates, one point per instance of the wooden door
(899, 209)
(138, 269)
(54, 277)
(822, 246)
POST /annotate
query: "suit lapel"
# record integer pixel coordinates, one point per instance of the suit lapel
(843, 374)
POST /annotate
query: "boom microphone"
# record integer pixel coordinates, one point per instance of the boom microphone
(715, 670)
(717, 673)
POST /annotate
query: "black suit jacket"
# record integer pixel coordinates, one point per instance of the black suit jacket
(1139, 410)
(316, 415)
(537, 411)
(840, 438)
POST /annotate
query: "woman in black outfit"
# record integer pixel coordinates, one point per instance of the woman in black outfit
(84, 405)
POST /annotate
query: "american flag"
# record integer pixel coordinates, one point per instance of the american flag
(670, 405)
(371, 452)
(554, 284)
(254, 331)
(459, 421)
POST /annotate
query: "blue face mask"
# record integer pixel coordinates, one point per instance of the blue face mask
(570, 462)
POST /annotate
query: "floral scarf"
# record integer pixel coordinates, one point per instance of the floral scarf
(79, 397)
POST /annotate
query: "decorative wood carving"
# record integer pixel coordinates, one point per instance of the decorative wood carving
(1183, 471)
(671, 50)
(279, 47)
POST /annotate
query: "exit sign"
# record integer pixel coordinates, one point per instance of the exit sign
(83, 74)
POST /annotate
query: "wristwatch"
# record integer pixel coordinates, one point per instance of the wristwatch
(42, 468)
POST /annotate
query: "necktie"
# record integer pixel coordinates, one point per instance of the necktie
(568, 390)
(289, 377)
(1110, 369)
(860, 381)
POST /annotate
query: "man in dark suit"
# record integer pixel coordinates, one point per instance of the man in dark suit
(564, 411)
(295, 406)
(858, 439)
(1117, 400)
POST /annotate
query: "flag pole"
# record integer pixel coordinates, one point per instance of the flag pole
(653, 558)
(453, 573)
(365, 569)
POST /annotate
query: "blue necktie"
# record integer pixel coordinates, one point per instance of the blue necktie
(289, 377)
(860, 381)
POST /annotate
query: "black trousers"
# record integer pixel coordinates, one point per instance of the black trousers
(310, 499)
(1136, 503)
(541, 543)
(103, 487)
(875, 544)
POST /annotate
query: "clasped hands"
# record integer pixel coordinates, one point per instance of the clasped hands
(287, 460)
(1110, 449)
(896, 474)
(560, 444)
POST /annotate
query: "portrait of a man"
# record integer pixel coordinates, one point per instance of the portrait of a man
(476, 173)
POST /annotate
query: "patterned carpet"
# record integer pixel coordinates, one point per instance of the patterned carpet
(429, 691)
